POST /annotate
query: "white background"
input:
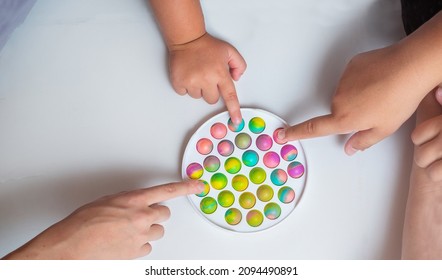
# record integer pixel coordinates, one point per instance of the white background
(86, 109)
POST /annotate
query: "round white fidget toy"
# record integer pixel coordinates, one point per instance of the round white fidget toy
(253, 180)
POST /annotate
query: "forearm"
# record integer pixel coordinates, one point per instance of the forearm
(422, 236)
(422, 52)
(180, 21)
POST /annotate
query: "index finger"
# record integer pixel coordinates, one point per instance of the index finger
(168, 191)
(315, 127)
(228, 92)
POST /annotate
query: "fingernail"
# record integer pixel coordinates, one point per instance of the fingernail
(439, 92)
(350, 151)
(237, 121)
(200, 186)
(281, 134)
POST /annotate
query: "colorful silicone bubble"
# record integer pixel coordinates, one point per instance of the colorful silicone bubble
(233, 216)
(218, 181)
(218, 130)
(271, 159)
(250, 158)
(206, 189)
(275, 137)
(247, 200)
(235, 127)
(264, 142)
(208, 205)
(257, 175)
(194, 171)
(254, 218)
(257, 125)
(204, 146)
(225, 148)
(286, 194)
(264, 193)
(289, 152)
(295, 169)
(240, 182)
(243, 141)
(272, 211)
(226, 198)
(232, 165)
(278, 177)
(211, 163)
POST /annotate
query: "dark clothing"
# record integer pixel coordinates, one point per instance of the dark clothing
(417, 12)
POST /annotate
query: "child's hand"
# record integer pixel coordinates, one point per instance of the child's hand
(205, 68)
(428, 140)
(377, 92)
(119, 226)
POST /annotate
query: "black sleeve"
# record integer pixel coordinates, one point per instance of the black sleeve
(417, 12)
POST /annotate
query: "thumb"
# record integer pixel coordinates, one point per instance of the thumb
(362, 140)
(237, 64)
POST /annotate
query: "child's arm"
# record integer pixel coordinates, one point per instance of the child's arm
(422, 235)
(118, 226)
(199, 64)
(380, 90)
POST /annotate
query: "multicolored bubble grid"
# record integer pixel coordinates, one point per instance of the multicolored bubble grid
(252, 179)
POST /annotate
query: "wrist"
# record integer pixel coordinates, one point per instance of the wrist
(178, 46)
(421, 52)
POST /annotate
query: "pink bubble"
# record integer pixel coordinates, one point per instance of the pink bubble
(218, 130)
(264, 142)
(225, 148)
(295, 169)
(204, 146)
(271, 159)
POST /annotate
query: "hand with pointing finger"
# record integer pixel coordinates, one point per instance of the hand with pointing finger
(204, 68)
(379, 90)
(119, 226)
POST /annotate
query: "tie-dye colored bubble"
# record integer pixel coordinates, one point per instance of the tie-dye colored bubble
(243, 141)
(211, 163)
(194, 170)
(289, 152)
(254, 218)
(226, 198)
(257, 125)
(295, 169)
(286, 195)
(233, 216)
(272, 211)
(208, 205)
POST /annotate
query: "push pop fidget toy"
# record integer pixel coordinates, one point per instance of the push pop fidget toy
(252, 179)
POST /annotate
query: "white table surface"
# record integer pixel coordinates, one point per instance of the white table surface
(86, 109)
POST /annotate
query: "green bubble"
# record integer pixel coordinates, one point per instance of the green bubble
(218, 181)
(226, 198)
(243, 141)
(250, 158)
(247, 200)
(208, 205)
(265, 193)
(232, 165)
(257, 175)
(240, 182)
